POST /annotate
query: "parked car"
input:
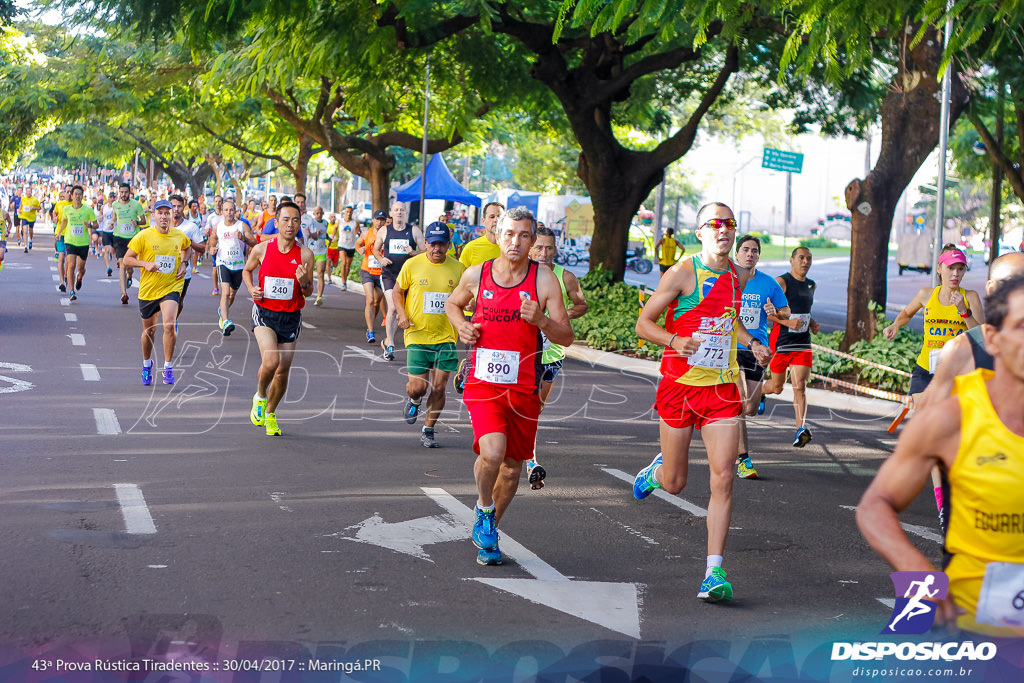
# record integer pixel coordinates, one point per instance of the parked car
(1003, 249)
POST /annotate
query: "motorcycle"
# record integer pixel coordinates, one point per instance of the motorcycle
(635, 261)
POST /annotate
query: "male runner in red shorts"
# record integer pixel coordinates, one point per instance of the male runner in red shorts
(701, 297)
(512, 293)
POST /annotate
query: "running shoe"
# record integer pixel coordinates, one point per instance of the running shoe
(745, 469)
(485, 533)
(215, 292)
(370, 337)
(535, 474)
(128, 282)
(26, 249)
(319, 301)
(802, 437)
(147, 375)
(389, 351)
(78, 283)
(124, 298)
(489, 557)
(62, 287)
(271, 424)
(227, 327)
(110, 271)
(412, 411)
(168, 376)
(29, 245)
(73, 297)
(715, 588)
(427, 439)
(259, 410)
(645, 482)
(760, 406)
(195, 270)
(460, 375)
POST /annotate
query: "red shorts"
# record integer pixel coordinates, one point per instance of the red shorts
(333, 254)
(781, 361)
(681, 405)
(512, 413)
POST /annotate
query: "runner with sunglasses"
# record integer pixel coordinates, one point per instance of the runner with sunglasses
(701, 298)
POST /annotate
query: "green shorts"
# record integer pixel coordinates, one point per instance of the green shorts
(319, 257)
(420, 358)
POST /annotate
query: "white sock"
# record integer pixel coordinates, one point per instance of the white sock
(485, 509)
(713, 561)
(147, 363)
(168, 365)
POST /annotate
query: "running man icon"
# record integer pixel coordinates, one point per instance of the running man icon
(916, 608)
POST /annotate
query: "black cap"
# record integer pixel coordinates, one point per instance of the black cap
(380, 214)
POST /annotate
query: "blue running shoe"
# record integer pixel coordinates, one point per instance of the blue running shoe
(485, 533)
(370, 337)
(645, 483)
(715, 588)
(412, 411)
(168, 376)
(489, 557)
(147, 375)
(760, 407)
(802, 437)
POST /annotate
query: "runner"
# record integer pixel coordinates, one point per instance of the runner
(544, 252)
(949, 310)
(161, 252)
(512, 294)
(94, 234)
(59, 248)
(423, 286)
(27, 218)
(228, 242)
(317, 231)
(76, 221)
(285, 280)
(106, 231)
(369, 274)
(791, 340)
(393, 247)
(977, 438)
(128, 216)
(197, 243)
(348, 232)
(6, 226)
(762, 297)
(665, 251)
(477, 251)
(332, 251)
(701, 298)
(265, 217)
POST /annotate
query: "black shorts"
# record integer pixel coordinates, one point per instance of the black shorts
(753, 370)
(120, 245)
(351, 252)
(550, 371)
(107, 238)
(232, 278)
(80, 252)
(149, 308)
(287, 324)
(665, 268)
(184, 288)
(919, 379)
(388, 279)
(369, 279)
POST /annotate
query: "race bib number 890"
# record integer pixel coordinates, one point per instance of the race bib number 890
(496, 366)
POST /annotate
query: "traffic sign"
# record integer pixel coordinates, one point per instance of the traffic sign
(780, 160)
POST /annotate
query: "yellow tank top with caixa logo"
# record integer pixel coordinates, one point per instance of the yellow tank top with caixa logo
(941, 323)
(986, 522)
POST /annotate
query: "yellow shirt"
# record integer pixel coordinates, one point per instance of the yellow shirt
(941, 323)
(59, 209)
(479, 250)
(427, 286)
(29, 206)
(986, 483)
(668, 252)
(165, 251)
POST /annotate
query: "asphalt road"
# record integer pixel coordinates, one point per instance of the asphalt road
(157, 522)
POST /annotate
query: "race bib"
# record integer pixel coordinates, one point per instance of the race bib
(933, 360)
(372, 263)
(1001, 600)
(165, 264)
(397, 246)
(76, 230)
(750, 316)
(433, 302)
(497, 367)
(232, 256)
(279, 288)
(715, 337)
(805, 321)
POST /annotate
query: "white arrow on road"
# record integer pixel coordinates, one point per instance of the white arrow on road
(16, 384)
(614, 606)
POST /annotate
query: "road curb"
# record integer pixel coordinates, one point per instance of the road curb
(820, 398)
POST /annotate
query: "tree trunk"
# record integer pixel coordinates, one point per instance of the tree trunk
(379, 177)
(910, 131)
(301, 168)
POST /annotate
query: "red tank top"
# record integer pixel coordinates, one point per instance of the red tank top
(281, 290)
(508, 351)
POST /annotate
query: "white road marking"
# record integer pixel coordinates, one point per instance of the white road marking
(362, 352)
(64, 301)
(90, 373)
(71, 317)
(16, 384)
(922, 531)
(55, 277)
(53, 269)
(106, 421)
(308, 326)
(77, 339)
(680, 503)
(137, 519)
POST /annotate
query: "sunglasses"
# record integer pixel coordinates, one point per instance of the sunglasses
(717, 223)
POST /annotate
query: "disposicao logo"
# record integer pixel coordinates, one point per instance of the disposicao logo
(916, 596)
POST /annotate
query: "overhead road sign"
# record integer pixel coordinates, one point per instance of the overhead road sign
(780, 160)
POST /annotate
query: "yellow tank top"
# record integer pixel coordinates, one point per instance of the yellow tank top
(986, 482)
(941, 323)
(668, 252)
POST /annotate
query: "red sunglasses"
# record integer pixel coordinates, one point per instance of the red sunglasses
(717, 223)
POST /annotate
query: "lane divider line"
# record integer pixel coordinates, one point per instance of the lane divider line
(106, 421)
(680, 503)
(71, 317)
(77, 339)
(90, 373)
(137, 519)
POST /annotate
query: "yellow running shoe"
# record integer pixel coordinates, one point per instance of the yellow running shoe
(271, 424)
(259, 410)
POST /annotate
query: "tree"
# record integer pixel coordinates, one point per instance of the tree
(27, 98)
